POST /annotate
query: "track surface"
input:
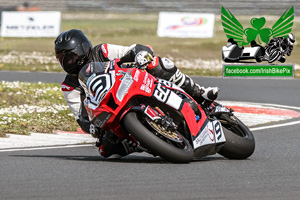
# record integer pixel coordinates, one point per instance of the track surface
(272, 172)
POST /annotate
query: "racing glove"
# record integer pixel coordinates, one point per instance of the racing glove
(143, 59)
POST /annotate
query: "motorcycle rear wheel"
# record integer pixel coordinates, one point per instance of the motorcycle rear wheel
(155, 144)
(240, 143)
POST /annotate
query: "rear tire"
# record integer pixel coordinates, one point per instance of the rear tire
(155, 144)
(240, 143)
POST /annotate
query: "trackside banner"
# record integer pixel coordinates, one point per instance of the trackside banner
(30, 24)
(185, 25)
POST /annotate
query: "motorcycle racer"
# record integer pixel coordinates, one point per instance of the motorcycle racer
(278, 47)
(73, 50)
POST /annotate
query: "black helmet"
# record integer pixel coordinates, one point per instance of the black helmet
(72, 50)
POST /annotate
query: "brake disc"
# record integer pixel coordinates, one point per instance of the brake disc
(167, 133)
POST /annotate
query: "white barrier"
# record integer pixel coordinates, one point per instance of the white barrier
(31, 24)
(185, 25)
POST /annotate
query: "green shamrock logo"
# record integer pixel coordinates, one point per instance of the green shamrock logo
(262, 35)
(233, 28)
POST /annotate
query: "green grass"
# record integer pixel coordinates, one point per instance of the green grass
(33, 107)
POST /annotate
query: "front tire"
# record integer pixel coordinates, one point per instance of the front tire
(240, 143)
(274, 55)
(155, 144)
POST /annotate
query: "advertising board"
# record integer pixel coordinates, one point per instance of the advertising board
(30, 24)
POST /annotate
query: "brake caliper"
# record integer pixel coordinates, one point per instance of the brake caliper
(163, 124)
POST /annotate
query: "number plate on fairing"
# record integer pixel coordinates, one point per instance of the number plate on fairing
(165, 95)
(211, 134)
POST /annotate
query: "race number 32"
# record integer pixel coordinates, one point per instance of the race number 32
(161, 93)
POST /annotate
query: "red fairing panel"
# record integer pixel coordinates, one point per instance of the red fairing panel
(190, 118)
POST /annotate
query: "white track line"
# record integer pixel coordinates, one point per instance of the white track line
(278, 125)
(50, 147)
(276, 106)
(281, 106)
(275, 126)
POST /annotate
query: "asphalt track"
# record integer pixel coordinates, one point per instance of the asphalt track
(272, 172)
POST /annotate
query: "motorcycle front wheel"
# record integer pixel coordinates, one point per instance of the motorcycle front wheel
(176, 148)
(240, 143)
(274, 55)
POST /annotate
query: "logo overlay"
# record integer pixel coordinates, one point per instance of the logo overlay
(283, 71)
(258, 44)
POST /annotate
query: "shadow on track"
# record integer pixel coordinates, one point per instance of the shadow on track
(126, 159)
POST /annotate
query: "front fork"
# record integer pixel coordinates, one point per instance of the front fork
(222, 113)
(154, 114)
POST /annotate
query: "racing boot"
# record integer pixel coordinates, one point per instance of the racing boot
(165, 69)
(201, 93)
(113, 147)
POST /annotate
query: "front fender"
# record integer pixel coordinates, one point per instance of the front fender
(140, 109)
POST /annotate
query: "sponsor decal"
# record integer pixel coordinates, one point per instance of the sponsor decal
(147, 84)
(66, 88)
(136, 75)
(185, 25)
(211, 134)
(151, 113)
(104, 50)
(146, 88)
(188, 21)
(199, 141)
(30, 24)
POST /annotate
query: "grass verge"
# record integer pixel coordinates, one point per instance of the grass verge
(33, 107)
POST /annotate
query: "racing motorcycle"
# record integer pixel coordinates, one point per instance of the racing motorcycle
(161, 117)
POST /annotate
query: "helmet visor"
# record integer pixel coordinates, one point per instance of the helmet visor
(72, 61)
(68, 61)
